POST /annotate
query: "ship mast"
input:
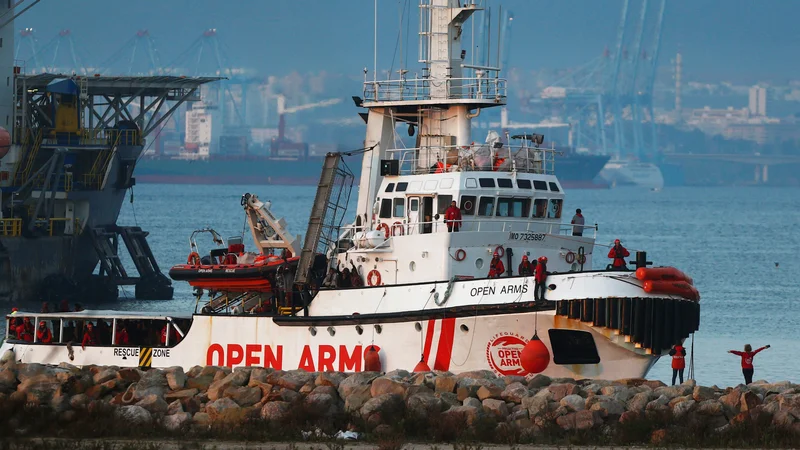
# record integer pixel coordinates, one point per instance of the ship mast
(440, 101)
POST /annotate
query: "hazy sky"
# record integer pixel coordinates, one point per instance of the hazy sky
(735, 40)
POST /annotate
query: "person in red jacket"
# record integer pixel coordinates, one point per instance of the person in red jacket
(25, 330)
(525, 268)
(452, 217)
(540, 278)
(89, 336)
(496, 267)
(174, 339)
(618, 253)
(121, 336)
(747, 361)
(678, 354)
(43, 334)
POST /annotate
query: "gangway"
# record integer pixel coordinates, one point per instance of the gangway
(326, 215)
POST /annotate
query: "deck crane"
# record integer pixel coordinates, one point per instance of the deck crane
(281, 143)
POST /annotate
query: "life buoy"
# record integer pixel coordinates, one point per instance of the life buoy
(385, 228)
(581, 259)
(193, 259)
(500, 251)
(374, 278)
(397, 229)
(569, 257)
(461, 254)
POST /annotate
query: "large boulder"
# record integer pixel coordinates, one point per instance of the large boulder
(387, 406)
(319, 403)
(515, 392)
(243, 396)
(639, 402)
(176, 422)
(235, 379)
(573, 402)
(223, 410)
(609, 408)
(134, 415)
(178, 395)
(39, 388)
(560, 391)
(154, 404)
(352, 382)
(153, 382)
(423, 406)
(702, 393)
(385, 385)
(104, 375)
(201, 382)
(329, 379)
(276, 412)
(8, 381)
(469, 415)
(176, 379)
(357, 397)
(491, 391)
(293, 380)
(496, 408)
(445, 383)
(681, 409)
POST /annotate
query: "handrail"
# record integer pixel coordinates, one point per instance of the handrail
(476, 157)
(10, 227)
(416, 89)
(95, 137)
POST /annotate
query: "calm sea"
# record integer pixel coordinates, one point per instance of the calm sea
(741, 246)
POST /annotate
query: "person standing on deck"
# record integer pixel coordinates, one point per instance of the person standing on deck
(577, 223)
(618, 253)
(678, 354)
(540, 279)
(452, 217)
(89, 336)
(525, 268)
(747, 361)
(43, 334)
(496, 267)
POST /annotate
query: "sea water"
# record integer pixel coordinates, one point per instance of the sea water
(740, 245)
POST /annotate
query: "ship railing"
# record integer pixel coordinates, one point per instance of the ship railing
(523, 230)
(98, 137)
(419, 89)
(10, 227)
(478, 157)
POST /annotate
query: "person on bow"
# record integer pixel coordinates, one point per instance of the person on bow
(43, 334)
(541, 278)
(89, 336)
(525, 268)
(577, 223)
(747, 361)
(678, 354)
(496, 267)
(452, 217)
(618, 253)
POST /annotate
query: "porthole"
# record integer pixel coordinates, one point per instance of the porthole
(464, 328)
(378, 329)
(359, 329)
(418, 326)
(412, 266)
(479, 263)
(331, 331)
(312, 330)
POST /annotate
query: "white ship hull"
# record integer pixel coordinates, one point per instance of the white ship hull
(620, 172)
(482, 325)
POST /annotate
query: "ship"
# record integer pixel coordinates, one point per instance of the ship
(73, 142)
(434, 250)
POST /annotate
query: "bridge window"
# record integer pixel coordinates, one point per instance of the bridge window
(539, 185)
(467, 205)
(399, 207)
(442, 203)
(554, 212)
(486, 182)
(524, 184)
(573, 347)
(390, 187)
(386, 208)
(401, 187)
(554, 187)
(539, 208)
(471, 183)
(513, 207)
(486, 206)
(504, 183)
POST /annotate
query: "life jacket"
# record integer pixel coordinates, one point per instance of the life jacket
(679, 358)
(525, 268)
(122, 337)
(45, 336)
(541, 272)
(496, 268)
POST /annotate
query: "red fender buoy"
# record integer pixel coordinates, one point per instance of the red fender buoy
(421, 366)
(534, 357)
(372, 360)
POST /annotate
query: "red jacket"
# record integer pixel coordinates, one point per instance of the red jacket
(747, 357)
(678, 354)
(541, 272)
(173, 340)
(453, 214)
(496, 268)
(525, 268)
(619, 253)
(89, 338)
(25, 332)
(121, 338)
(45, 337)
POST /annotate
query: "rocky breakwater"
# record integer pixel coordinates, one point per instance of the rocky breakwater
(433, 405)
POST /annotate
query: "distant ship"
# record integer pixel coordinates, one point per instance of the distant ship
(574, 170)
(621, 172)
